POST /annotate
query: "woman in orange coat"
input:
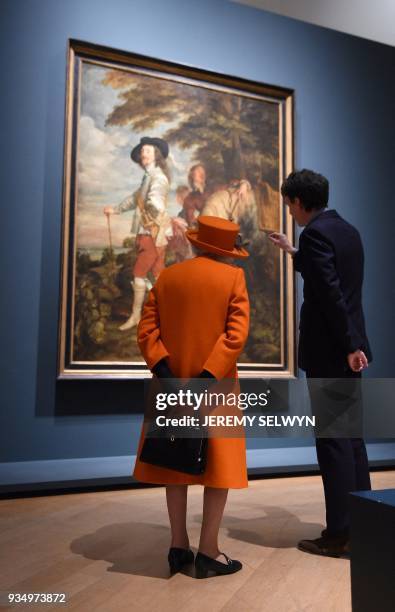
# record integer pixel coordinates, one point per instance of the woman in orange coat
(195, 324)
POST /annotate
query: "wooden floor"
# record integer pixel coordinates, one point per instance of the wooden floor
(107, 551)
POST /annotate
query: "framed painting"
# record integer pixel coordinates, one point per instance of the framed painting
(149, 146)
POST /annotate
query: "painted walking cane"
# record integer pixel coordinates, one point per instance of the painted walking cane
(110, 241)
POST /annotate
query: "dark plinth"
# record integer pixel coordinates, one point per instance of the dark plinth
(373, 551)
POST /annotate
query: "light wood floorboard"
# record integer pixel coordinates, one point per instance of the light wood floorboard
(108, 551)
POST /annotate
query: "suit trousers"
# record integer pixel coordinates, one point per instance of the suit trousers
(343, 461)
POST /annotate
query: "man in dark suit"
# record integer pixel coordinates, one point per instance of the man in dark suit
(332, 343)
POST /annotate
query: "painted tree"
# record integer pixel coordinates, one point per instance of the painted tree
(235, 136)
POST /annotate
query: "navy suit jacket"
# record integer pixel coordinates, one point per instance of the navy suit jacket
(331, 260)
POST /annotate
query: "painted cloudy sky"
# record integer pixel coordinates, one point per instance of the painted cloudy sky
(106, 173)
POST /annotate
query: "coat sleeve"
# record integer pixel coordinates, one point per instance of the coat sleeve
(296, 258)
(148, 333)
(128, 203)
(231, 342)
(318, 266)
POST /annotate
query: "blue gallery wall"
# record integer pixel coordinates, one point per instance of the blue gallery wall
(344, 128)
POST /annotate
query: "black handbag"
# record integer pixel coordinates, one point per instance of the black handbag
(164, 448)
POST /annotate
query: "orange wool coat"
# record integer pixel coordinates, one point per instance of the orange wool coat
(197, 317)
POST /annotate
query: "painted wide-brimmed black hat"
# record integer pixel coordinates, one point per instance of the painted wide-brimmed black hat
(147, 140)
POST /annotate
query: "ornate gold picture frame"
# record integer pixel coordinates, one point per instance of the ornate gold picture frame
(225, 146)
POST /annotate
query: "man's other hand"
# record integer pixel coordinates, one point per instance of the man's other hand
(282, 241)
(357, 361)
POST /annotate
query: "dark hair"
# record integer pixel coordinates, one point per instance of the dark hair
(311, 188)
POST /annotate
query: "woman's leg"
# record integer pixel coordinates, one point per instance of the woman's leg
(213, 508)
(176, 497)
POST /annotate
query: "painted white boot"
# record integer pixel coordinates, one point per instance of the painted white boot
(138, 300)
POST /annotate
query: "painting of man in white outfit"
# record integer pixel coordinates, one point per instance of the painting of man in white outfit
(151, 222)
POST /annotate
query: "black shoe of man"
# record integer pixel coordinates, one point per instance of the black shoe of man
(326, 546)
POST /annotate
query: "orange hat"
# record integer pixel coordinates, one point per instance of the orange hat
(217, 235)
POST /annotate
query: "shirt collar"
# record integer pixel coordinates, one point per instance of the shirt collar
(150, 168)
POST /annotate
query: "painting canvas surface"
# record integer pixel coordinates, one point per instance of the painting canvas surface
(223, 157)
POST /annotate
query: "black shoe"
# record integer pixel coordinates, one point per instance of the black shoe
(178, 557)
(205, 565)
(328, 547)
